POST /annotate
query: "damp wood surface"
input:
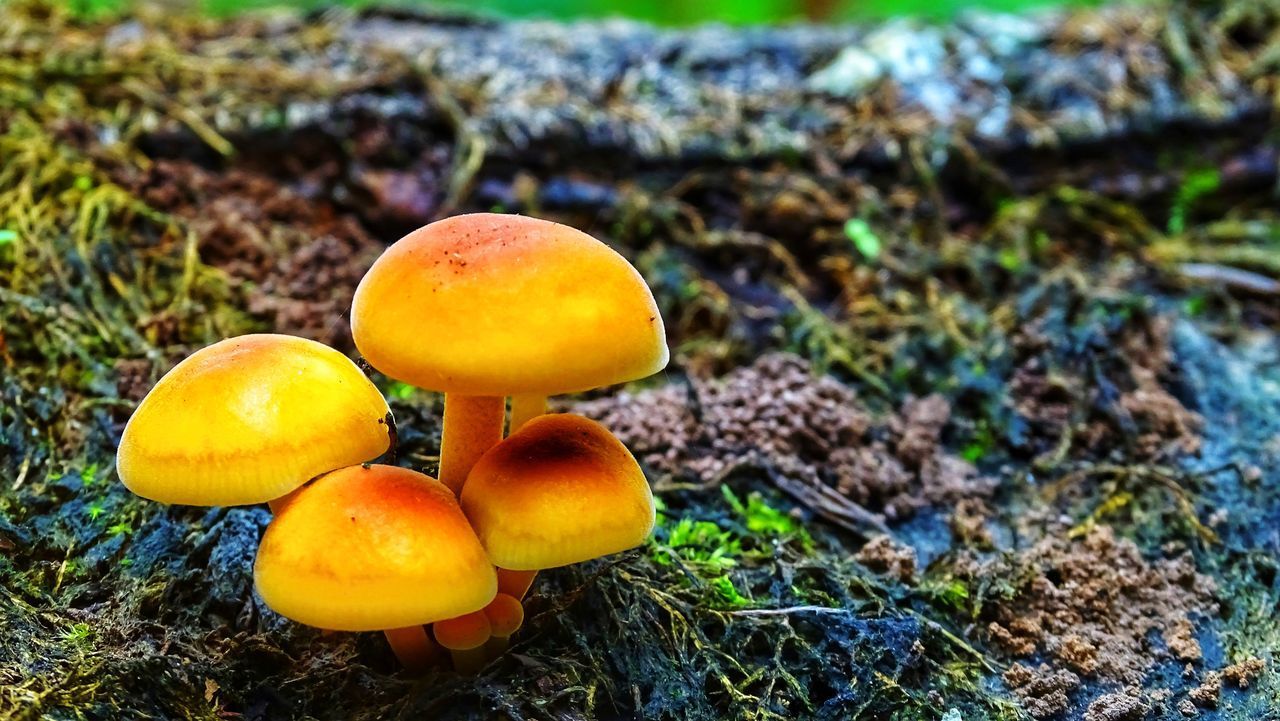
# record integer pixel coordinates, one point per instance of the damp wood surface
(974, 408)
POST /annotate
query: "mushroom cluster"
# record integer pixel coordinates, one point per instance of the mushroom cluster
(482, 308)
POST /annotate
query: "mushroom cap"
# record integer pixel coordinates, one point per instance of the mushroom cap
(505, 614)
(249, 419)
(464, 632)
(491, 304)
(372, 548)
(560, 490)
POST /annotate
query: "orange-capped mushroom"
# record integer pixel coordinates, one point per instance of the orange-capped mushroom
(560, 490)
(249, 420)
(486, 305)
(465, 637)
(506, 616)
(374, 548)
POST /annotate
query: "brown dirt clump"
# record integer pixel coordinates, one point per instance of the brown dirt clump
(887, 557)
(1091, 604)
(1127, 705)
(1242, 674)
(778, 415)
(1044, 692)
(1117, 393)
(1208, 693)
(299, 258)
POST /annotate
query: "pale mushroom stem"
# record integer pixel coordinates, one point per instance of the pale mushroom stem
(413, 647)
(472, 425)
(496, 646)
(525, 408)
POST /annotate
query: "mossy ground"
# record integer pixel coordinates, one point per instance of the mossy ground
(1108, 360)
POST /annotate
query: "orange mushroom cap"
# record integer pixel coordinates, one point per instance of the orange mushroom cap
(560, 490)
(492, 305)
(463, 633)
(372, 548)
(248, 420)
(505, 614)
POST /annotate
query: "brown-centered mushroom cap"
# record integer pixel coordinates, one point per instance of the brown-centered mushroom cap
(560, 490)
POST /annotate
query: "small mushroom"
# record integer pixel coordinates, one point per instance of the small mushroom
(560, 490)
(465, 637)
(506, 616)
(249, 420)
(375, 547)
(486, 305)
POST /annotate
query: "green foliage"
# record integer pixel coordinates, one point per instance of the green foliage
(864, 239)
(1195, 185)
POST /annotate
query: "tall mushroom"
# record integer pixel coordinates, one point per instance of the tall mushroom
(249, 420)
(486, 305)
(375, 547)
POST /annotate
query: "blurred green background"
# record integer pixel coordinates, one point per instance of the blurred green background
(662, 12)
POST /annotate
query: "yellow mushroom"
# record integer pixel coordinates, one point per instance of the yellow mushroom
(484, 306)
(249, 420)
(375, 548)
(560, 490)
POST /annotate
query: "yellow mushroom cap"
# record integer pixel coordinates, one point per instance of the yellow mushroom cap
(464, 632)
(490, 304)
(505, 614)
(248, 420)
(372, 548)
(560, 490)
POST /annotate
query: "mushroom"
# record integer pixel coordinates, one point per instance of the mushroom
(506, 616)
(249, 420)
(560, 490)
(486, 305)
(465, 637)
(375, 547)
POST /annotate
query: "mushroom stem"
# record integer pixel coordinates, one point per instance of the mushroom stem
(412, 646)
(515, 583)
(525, 408)
(465, 637)
(472, 425)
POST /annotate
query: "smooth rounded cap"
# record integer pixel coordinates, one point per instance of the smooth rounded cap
(505, 614)
(372, 548)
(249, 419)
(560, 490)
(463, 633)
(494, 305)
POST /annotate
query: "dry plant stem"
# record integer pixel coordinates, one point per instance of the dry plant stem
(525, 408)
(472, 425)
(413, 647)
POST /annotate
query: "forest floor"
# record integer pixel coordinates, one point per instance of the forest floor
(964, 420)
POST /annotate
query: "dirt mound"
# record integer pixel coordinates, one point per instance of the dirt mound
(298, 259)
(1094, 608)
(777, 415)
